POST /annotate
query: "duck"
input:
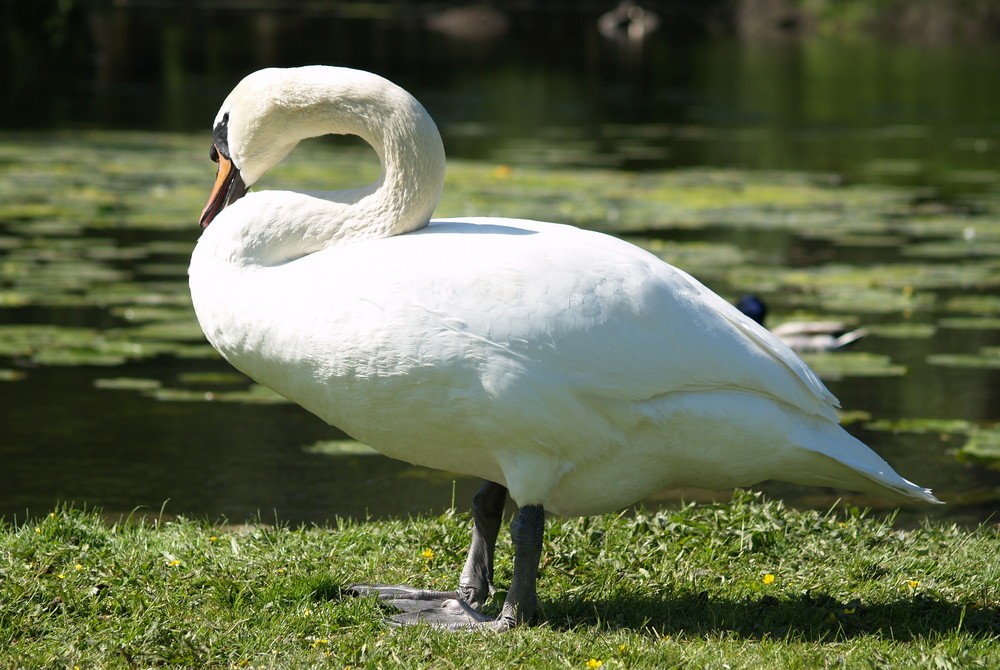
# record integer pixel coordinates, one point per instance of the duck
(571, 371)
(803, 336)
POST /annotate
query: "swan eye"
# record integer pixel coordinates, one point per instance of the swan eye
(220, 145)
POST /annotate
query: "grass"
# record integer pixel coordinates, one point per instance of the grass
(747, 583)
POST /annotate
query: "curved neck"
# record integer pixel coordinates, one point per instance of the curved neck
(277, 227)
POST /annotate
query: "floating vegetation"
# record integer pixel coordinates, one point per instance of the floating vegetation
(971, 323)
(54, 345)
(974, 304)
(7, 375)
(254, 395)
(214, 378)
(952, 249)
(988, 357)
(115, 236)
(186, 330)
(902, 330)
(841, 364)
(983, 444)
(701, 258)
(97, 228)
(126, 384)
(921, 426)
(340, 448)
(138, 313)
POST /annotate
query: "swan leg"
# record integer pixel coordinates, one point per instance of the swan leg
(476, 581)
(522, 597)
(438, 609)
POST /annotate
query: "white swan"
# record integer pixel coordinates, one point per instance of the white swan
(570, 368)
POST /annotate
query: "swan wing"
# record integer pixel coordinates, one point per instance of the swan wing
(611, 320)
(504, 304)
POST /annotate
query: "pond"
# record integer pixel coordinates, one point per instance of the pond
(837, 180)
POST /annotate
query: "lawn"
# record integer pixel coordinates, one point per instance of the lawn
(748, 583)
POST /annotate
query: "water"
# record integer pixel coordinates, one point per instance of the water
(921, 119)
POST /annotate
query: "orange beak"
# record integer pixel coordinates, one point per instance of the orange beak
(229, 188)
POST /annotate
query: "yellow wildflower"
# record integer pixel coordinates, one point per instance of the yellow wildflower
(913, 583)
(622, 648)
(427, 553)
(502, 172)
(768, 579)
(594, 663)
(174, 563)
(320, 641)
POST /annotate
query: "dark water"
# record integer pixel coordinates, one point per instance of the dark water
(548, 90)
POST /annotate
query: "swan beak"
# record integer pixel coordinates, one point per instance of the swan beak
(229, 188)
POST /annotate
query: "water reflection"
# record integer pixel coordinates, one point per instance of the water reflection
(866, 109)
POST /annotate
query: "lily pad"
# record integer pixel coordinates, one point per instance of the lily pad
(971, 323)
(126, 384)
(974, 304)
(256, 395)
(952, 249)
(144, 313)
(701, 258)
(853, 364)
(215, 378)
(53, 345)
(921, 426)
(180, 395)
(901, 330)
(187, 330)
(988, 359)
(983, 444)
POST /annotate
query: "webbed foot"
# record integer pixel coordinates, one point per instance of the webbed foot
(440, 609)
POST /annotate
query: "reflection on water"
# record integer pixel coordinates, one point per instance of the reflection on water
(911, 116)
(867, 109)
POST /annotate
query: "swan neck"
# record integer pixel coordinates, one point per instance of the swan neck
(280, 108)
(408, 146)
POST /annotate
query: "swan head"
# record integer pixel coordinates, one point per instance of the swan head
(248, 137)
(270, 111)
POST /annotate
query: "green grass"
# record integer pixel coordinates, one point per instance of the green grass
(743, 584)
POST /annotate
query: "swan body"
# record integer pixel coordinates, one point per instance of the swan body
(572, 369)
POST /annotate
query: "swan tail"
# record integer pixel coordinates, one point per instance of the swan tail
(852, 465)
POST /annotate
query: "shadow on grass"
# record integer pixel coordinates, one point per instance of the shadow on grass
(808, 617)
